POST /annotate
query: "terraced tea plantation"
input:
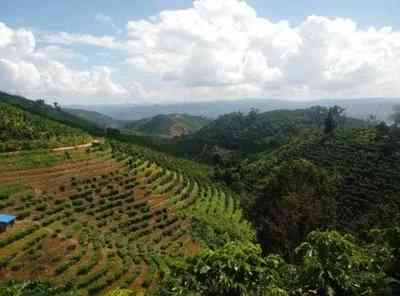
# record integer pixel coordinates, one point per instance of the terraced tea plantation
(106, 217)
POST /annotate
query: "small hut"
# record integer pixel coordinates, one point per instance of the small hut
(6, 221)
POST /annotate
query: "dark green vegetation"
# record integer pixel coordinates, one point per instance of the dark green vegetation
(21, 130)
(171, 125)
(255, 132)
(353, 176)
(328, 263)
(321, 192)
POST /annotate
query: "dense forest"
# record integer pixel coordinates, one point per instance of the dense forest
(289, 203)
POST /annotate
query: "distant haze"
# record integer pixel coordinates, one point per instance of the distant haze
(359, 108)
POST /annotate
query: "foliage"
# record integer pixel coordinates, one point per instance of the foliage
(328, 263)
(36, 289)
(296, 198)
(235, 269)
(333, 264)
(365, 159)
(389, 239)
(217, 220)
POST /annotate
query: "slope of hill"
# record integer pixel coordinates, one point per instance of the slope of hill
(49, 112)
(114, 216)
(255, 132)
(97, 118)
(171, 125)
(366, 162)
(21, 130)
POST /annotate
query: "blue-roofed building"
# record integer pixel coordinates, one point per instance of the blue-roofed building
(5, 221)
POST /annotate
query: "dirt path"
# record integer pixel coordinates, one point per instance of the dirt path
(72, 147)
(59, 149)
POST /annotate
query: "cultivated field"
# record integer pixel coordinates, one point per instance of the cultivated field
(103, 217)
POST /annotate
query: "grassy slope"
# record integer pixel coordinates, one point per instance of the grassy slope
(21, 130)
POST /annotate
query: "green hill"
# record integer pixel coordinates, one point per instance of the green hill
(171, 125)
(21, 130)
(97, 118)
(255, 132)
(57, 114)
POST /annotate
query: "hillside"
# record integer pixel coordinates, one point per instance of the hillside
(97, 118)
(49, 112)
(171, 125)
(363, 163)
(255, 132)
(21, 130)
(114, 216)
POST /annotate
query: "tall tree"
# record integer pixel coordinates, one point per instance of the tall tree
(296, 198)
(395, 117)
(330, 123)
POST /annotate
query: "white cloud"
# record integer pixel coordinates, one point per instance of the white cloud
(41, 72)
(15, 43)
(224, 44)
(217, 49)
(64, 38)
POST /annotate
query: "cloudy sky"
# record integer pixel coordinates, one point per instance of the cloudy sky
(162, 51)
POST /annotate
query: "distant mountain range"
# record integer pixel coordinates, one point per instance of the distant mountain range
(359, 108)
(164, 125)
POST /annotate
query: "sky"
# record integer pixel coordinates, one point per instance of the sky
(165, 51)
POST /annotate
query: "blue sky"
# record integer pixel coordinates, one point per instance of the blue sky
(78, 16)
(113, 52)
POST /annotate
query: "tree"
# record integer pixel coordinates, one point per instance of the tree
(395, 117)
(57, 106)
(330, 123)
(318, 114)
(297, 198)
